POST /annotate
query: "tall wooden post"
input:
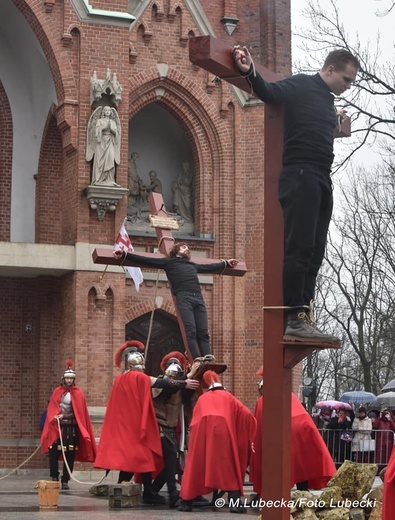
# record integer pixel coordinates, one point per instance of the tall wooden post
(278, 358)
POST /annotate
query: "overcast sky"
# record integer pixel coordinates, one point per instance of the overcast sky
(360, 22)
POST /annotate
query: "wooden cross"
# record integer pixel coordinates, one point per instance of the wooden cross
(278, 358)
(166, 242)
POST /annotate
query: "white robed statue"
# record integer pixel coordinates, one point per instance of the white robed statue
(103, 145)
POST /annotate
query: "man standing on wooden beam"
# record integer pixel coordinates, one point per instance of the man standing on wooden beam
(305, 186)
(182, 274)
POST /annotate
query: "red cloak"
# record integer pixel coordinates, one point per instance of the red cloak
(387, 512)
(222, 430)
(130, 439)
(86, 450)
(310, 459)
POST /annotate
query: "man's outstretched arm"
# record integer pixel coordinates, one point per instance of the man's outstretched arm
(217, 266)
(140, 259)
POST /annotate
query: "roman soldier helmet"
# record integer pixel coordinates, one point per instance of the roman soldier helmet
(131, 353)
(69, 372)
(212, 380)
(174, 364)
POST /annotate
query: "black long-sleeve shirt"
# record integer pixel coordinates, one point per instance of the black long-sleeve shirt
(181, 272)
(309, 117)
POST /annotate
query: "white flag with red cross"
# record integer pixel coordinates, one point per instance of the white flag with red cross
(123, 243)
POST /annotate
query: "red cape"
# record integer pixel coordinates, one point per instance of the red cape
(222, 430)
(86, 450)
(130, 439)
(311, 459)
(389, 490)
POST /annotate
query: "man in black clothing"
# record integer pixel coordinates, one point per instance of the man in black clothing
(183, 277)
(305, 186)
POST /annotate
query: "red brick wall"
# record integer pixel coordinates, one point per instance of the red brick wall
(49, 187)
(114, 5)
(29, 322)
(81, 316)
(6, 147)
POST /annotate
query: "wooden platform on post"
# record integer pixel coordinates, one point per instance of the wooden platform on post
(296, 351)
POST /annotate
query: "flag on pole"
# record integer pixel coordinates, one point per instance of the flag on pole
(123, 243)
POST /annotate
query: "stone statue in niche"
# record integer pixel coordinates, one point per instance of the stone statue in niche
(138, 205)
(103, 144)
(135, 184)
(155, 185)
(182, 193)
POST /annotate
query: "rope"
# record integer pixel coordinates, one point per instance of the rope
(151, 322)
(161, 208)
(23, 463)
(163, 238)
(68, 467)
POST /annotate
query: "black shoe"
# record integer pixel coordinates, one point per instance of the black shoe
(254, 499)
(200, 501)
(65, 486)
(238, 509)
(173, 498)
(185, 505)
(54, 479)
(150, 497)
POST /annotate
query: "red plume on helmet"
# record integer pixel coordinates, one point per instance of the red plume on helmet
(175, 354)
(260, 372)
(210, 377)
(69, 372)
(127, 344)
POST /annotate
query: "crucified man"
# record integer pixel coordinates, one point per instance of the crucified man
(182, 274)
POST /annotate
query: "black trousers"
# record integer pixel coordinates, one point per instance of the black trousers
(70, 441)
(168, 474)
(193, 313)
(305, 194)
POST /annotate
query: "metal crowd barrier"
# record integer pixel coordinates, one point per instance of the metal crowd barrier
(376, 446)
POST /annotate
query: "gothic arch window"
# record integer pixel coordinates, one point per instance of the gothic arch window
(165, 337)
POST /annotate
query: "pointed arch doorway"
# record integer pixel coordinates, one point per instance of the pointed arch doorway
(165, 337)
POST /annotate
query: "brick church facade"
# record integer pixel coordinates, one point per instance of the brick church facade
(61, 60)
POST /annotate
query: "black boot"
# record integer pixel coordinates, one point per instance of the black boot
(150, 497)
(174, 497)
(185, 505)
(236, 502)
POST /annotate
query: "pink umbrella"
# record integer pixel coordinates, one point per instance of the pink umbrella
(334, 405)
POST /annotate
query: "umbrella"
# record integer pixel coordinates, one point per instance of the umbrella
(358, 396)
(386, 399)
(333, 404)
(389, 387)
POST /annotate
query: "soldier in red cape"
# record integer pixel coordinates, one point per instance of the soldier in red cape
(130, 440)
(311, 463)
(221, 426)
(67, 404)
(387, 512)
